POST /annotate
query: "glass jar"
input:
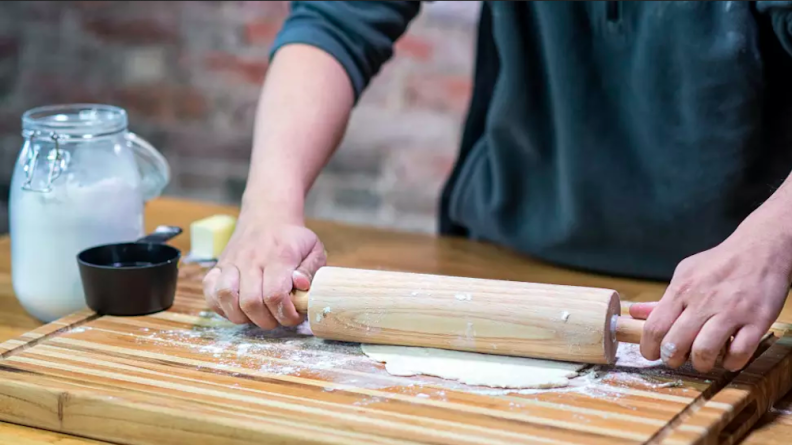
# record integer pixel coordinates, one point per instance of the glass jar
(81, 179)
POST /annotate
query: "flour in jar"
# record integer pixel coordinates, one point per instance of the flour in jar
(48, 230)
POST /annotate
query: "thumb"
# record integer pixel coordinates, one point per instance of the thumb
(303, 275)
(641, 311)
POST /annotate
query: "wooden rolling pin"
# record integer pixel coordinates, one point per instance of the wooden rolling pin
(555, 322)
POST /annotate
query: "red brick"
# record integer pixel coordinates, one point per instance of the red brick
(262, 32)
(453, 49)
(189, 104)
(135, 32)
(149, 101)
(438, 92)
(415, 48)
(162, 103)
(251, 71)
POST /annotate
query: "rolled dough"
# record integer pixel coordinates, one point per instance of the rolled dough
(472, 368)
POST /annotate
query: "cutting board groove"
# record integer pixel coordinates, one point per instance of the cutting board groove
(183, 375)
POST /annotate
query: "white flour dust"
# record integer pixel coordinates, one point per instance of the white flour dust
(223, 347)
(284, 351)
(601, 382)
(629, 356)
(463, 297)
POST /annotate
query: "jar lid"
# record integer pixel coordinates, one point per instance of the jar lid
(75, 120)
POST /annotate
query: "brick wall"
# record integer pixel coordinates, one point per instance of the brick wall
(189, 74)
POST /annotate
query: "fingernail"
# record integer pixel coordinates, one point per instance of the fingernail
(667, 351)
(280, 311)
(300, 273)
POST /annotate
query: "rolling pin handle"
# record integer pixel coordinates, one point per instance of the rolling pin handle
(300, 300)
(628, 330)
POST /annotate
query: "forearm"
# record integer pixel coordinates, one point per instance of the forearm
(771, 224)
(302, 114)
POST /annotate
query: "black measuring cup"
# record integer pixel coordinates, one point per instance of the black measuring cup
(135, 278)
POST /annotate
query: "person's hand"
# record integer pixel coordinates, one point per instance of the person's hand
(263, 261)
(737, 288)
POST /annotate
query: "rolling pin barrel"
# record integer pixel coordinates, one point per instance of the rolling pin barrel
(569, 323)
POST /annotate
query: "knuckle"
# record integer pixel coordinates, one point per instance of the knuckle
(282, 254)
(273, 298)
(226, 294)
(739, 354)
(214, 306)
(249, 256)
(735, 362)
(281, 251)
(679, 288)
(683, 267)
(654, 332)
(251, 304)
(704, 356)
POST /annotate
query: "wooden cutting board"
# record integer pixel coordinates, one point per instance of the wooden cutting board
(186, 376)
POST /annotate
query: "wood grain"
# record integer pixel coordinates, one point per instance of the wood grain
(629, 330)
(186, 375)
(568, 323)
(386, 250)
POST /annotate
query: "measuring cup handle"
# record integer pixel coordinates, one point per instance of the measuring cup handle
(161, 234)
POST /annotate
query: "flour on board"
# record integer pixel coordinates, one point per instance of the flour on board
(463, 297)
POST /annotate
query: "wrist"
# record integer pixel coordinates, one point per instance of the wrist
(766, 231)
(269, 206)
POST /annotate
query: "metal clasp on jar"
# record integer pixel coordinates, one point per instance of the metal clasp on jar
(58, 161)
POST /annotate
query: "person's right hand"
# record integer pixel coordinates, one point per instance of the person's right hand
(262, 263)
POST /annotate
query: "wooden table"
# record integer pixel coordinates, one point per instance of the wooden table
(372, 248)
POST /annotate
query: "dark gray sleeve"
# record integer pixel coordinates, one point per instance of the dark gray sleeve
(359, 34)
(781, 16)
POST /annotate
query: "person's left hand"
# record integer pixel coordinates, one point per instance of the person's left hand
(737, 288)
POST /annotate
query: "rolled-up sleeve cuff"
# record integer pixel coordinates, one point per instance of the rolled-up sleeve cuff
(323, 39)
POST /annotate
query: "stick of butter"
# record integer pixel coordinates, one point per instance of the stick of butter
(209, 236)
